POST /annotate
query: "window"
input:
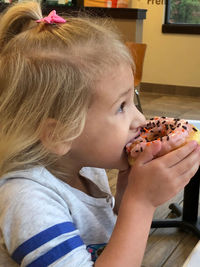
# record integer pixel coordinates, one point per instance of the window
(184, 11)
(182, 16)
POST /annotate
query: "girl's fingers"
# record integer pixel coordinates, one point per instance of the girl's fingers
(187, 175)
(149, 153)
(187, 163)
(174, 157)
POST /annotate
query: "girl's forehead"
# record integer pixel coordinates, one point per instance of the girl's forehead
(114, 83)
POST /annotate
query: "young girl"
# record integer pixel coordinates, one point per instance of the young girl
(67, 112)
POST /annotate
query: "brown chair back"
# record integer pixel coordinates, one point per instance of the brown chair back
(138, 53)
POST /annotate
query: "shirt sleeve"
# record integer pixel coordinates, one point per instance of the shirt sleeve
(37, 228)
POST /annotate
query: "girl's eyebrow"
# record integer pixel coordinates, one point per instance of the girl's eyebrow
(122, 95)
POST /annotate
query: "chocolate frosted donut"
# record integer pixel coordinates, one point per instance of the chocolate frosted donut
(171, 132)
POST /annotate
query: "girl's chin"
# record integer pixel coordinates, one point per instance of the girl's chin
(123, 163)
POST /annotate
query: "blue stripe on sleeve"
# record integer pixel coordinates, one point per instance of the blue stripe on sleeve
(41, 238)
(57, 252)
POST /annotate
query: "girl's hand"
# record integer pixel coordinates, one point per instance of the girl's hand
(155, 181)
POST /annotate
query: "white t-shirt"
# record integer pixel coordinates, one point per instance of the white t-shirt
(46, 222)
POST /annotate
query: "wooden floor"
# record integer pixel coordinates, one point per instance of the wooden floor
(167, 247)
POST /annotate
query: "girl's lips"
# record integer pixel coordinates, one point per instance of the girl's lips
(137, 134)
(133, 138)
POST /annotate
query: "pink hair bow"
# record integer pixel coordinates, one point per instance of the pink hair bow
(52, 18)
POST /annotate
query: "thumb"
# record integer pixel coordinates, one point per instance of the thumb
(149, 152)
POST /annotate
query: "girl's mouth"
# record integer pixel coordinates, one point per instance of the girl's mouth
(137, 134)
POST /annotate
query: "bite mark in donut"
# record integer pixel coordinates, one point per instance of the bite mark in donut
(173, 133)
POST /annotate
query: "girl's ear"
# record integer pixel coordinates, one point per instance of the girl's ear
(50, 142)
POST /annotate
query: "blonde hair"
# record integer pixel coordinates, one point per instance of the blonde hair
(48, 71)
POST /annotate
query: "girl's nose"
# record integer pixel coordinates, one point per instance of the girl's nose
(138, 119)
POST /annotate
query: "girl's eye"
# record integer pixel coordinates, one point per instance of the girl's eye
(122, 106)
